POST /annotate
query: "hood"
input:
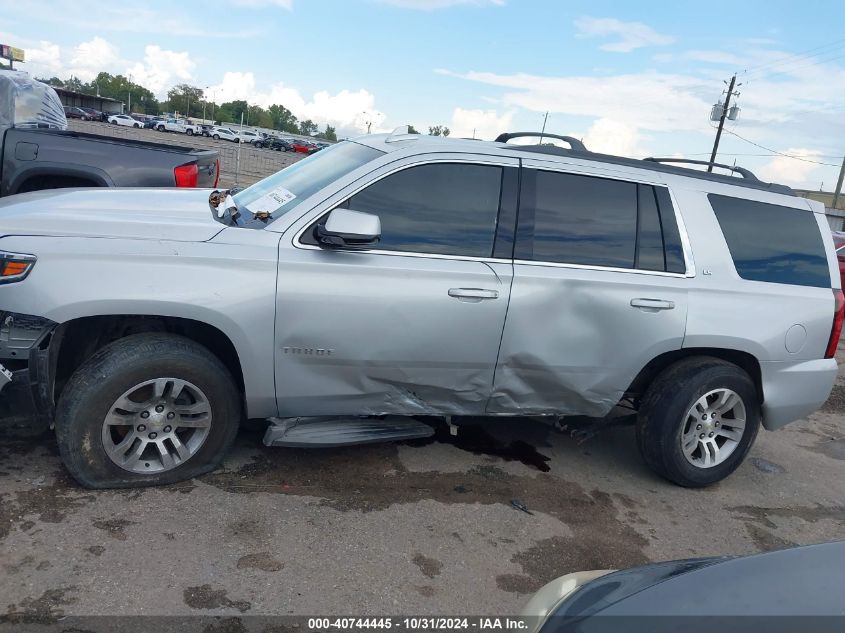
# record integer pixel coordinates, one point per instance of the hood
(180, 215)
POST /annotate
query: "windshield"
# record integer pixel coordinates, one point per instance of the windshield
(284, 190)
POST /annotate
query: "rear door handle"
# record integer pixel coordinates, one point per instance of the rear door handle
(653, 304)
(473, 294)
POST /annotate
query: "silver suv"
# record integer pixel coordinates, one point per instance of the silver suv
(402, 275)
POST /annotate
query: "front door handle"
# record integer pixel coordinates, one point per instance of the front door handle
(653, 304)
(473, 295)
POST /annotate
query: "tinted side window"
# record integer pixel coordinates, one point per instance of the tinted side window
(772, 243)
(580, 219)
(671, 236)
(650, 253)
(443, 208)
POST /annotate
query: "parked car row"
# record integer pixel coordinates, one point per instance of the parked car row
(86, 114)
(184, 126)
(291, 145)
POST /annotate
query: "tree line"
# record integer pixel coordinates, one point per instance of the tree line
(191, 101)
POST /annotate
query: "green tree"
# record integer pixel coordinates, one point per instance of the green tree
(185, 99)
(230, 112)
(412, 129)
(283, 119)
(329, 133)
(308, 127)
(438, 130)
(120, 88)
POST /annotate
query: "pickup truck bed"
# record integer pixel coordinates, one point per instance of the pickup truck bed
(34, 159)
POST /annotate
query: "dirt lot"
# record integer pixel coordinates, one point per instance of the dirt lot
(254, 165)
(425, 528)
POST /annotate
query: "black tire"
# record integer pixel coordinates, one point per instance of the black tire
(663, 410)
(216, 137)
(189, 132)
(117, 367)
(136, 125)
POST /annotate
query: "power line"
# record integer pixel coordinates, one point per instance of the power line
(794, 57)
(791, 68)
(777, 153)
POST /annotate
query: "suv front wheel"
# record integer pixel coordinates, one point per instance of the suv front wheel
(698, 420)
(145, 410)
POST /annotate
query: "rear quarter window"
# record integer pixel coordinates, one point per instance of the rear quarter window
(772, 243)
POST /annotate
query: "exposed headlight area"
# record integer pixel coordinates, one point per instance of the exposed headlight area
(15, 266)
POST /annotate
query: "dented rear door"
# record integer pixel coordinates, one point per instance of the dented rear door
(599, 289)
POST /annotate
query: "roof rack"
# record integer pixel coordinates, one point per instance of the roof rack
(578, 150)
(574, 143)
(742, 171)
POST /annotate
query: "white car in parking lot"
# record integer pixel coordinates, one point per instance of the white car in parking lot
(183, 126)
(248, 136)
(224, 133)
(124, 119)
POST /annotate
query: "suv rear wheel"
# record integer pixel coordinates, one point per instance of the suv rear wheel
(698, 420)
(147, 409)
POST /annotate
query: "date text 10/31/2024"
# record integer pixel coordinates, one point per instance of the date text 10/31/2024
(421, 623)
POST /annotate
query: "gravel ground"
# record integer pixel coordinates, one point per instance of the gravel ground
(254, 164)
(426, 527)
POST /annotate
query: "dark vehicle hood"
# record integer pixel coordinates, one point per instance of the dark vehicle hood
(793, 582)
(181, 215)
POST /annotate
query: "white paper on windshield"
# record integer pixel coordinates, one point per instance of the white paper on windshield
(271, 202)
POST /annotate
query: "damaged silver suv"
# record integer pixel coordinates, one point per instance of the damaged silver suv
(398, 276)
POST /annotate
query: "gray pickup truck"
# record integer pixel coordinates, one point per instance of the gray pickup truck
(38, 153)
(35, 159)
(396, 276)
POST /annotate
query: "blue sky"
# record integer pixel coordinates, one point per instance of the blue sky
(634, 78)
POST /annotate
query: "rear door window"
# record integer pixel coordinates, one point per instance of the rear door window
(590, 221)
(772, 243)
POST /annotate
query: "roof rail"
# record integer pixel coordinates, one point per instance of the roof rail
(574, 143)
(742, 171)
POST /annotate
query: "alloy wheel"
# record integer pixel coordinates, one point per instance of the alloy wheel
(156, 425)
(713, 428)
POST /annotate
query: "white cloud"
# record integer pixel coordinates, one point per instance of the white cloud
(628, 36)
(788, 171)
(614, 137)
(161, 69)
(91, 57)
(44, 59)
(483, 124)
(348, 111)
(428, 5)
(652, 101)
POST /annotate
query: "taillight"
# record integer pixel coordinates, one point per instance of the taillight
(15, 266)
(216, 173)
(836, 330)
(186, 175)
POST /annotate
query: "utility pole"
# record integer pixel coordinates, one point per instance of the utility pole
(722, 123)
(839, 184)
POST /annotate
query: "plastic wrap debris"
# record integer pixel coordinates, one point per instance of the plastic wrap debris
(25, 102)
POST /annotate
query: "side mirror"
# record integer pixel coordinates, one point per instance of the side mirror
(350, 229)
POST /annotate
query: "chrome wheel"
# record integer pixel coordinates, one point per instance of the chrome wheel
(713, 428)
(157, 425)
